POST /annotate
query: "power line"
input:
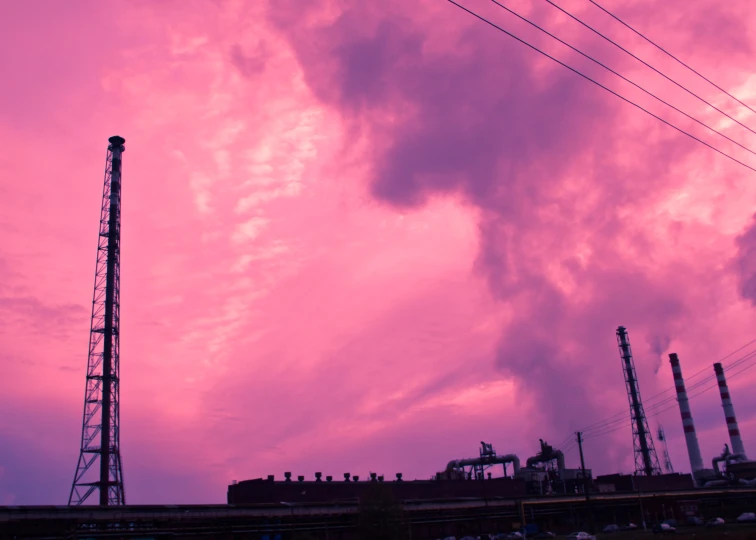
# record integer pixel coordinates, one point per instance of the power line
(622, 413)
(702, 370)
(620, 419)
(650, 66)
(601, 85)
(700, 383)
(654, 408)
(609, 420)
(564, 442)
(605, 432)
(732, 375)
(624, 422)
(621, 416)
(622, 77)
(670, 55)
(569, 448)
(733, 352)
(628, 423)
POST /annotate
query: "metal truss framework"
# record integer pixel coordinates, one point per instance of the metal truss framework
(100, 427)
(646, 461)
(667, 461)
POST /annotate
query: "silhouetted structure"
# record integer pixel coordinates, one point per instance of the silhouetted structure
(103, 381)
(646, 461)
(691, 441)
(380, 514)
(667, 461)
(475, 468)
(270, 491)
(657, 483)
(729, 411)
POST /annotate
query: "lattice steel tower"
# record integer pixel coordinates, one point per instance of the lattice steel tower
(662, 438)
(100, 427)
(646, 461)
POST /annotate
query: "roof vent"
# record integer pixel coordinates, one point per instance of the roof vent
(398, 477)
(356, 478)
(346, 476)
(329, 478)
(287, 475)
(318, 477)
(300, 478)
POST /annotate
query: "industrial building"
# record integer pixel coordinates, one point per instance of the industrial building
(544, 490)
(488, 493)
(629, 483)
(544, 474)
(421, 519)
(268, 491)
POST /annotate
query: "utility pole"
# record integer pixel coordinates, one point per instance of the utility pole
(585, 484)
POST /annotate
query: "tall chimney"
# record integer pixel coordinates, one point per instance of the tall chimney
(694, 451)
(729, 411)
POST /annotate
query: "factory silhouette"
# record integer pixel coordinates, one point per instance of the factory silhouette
(489, 492)
(544, 474)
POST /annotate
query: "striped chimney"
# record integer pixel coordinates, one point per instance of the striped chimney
(694, 451)
(729, 411)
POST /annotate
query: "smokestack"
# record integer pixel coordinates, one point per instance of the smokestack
(694, 451)
(729, 411)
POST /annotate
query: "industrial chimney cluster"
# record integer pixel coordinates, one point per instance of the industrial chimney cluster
(737, 467)
(544, 473)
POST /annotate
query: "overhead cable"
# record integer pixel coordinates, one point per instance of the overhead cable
(650, 66)
(623, 77)
(650, 401)
(670, 54)
(620, 418)
(628, 423)
(480, 17)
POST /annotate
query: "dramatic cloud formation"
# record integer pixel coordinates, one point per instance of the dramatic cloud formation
(365, 236)
(746, 263)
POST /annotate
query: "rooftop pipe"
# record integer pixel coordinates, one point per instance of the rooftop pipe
(547, 453)
(486, 460)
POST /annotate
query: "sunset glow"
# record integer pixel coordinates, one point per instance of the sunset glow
(365, 236)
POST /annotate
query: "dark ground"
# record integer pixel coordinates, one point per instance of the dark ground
(729, 532)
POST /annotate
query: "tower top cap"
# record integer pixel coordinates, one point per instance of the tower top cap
(116, 140)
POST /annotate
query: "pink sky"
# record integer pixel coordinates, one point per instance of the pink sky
(363, 236)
